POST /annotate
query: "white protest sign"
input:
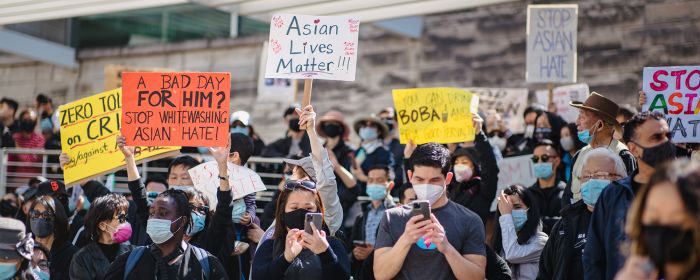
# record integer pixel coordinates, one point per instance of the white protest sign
(312, 47)
(509, 102)
(274, 89)
(561, 96)
(242, 180)
(674, 91)
(551, 43)
(514, 170)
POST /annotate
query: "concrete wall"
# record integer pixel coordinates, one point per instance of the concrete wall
(477, 47)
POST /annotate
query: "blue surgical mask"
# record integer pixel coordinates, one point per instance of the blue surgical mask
(43, 275)
(237, 211)
(151, 197)
(159, 230)
(543, 170)
(519, 218)
(198, 221)
(7, 270)
(203, 150)
(590, 190)
(86, 204)
(376, 191)
(368, 133)
(585, 136)
(239, 129)
(71, 205)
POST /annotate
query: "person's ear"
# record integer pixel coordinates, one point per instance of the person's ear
(409, 173)
(102, 226)
(390, 186)
(448, 178)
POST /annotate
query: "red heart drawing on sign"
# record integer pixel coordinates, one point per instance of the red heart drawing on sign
(304, 43)
(317, 21)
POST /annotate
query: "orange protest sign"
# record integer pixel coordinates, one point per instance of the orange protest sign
(175, 109)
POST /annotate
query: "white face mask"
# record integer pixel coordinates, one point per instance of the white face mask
(429, 192)
(498, 142)
(463, 172)
(567, 143)
(529, 131)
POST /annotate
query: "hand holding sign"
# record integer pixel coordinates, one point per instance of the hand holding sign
(128, 151)
(307, 117)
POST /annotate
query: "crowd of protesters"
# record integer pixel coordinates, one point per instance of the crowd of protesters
(614, 198)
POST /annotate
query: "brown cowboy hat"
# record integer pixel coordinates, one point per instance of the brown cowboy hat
(383, 129)
(601, 106)
(336, 117)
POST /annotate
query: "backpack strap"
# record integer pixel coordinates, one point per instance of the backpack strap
(203, 259)
(133, 259)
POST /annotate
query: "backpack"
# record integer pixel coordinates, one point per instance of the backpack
(136, 253)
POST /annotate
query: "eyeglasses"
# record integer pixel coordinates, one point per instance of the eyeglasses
(121, 217)
(292, 185)
(543, 158)
(501, 134)
(34, 214)
(202, 209)
(600, 175)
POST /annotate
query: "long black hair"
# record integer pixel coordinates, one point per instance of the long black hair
(532, 225)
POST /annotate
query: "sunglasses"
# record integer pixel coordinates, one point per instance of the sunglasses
(501, 134)
(201, 209)
(543, 158)
(121, 218)
(292, 185)
(41, 215)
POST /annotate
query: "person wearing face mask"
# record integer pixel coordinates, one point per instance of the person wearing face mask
(364, 231)
(460, 254)
(570, 144)
(595, 123)
(155, 184)
(169, 257)
(292, 252)
(16, 253)
(108, 231)
(392, 143)
(294, 143)
(549, 186)
(518, 237)
(648, 137)
(241, 122)
(49, 225)
(333, 129)
(371, 152)
(561, 257)
(522, 144)
(9, 206)
(26, 137)
(664, 226)
(474, 186)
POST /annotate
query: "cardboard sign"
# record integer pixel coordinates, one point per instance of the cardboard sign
(514, 170)
(274, 89)
(176, 109)
(89, 130)
(509, 102)
(441, 115)
(551, 43)
(312, 47)
(561, 96)
(242, 180)
(674, 91)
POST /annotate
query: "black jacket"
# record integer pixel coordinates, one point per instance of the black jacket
(549, 201)
(358, 233)
(138, 214)
(61, 257)
(557, 260)
(90, 263)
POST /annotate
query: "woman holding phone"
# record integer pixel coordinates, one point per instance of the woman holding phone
(292, 252)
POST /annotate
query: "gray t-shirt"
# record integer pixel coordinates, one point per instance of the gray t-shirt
(464, 231)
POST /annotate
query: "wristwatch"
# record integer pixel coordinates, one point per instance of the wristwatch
(223, 177)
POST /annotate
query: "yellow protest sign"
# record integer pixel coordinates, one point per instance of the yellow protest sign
(89, 130)
(441, 115)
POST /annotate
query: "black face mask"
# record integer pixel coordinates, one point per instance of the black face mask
(294, 125)
(683, 152)
(657, 155)
(543, 133)
(332, 130)
(27, 125)
(295, 219)
(41, 227)
(389, 124)
(7, 209)
(667, 244)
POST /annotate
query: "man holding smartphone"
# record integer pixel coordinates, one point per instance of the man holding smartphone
(450, 245)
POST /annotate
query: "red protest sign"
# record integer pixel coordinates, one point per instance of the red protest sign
(175, 109)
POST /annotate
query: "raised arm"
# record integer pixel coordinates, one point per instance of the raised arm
(136, 187)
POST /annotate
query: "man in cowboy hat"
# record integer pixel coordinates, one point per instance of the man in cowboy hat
(596, 125)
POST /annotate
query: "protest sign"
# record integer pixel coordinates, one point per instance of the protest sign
(561, 96)
(89, 130)
(274, 89)
(674, 91)
(509, 102)
(113, 74)
(551, 43)
(312, 47)
(242, 180)
(176, 109)
(514, 170)
(441, 115)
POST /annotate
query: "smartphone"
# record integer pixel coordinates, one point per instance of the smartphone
(421, 207)
(360, 243)
(316, 219)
